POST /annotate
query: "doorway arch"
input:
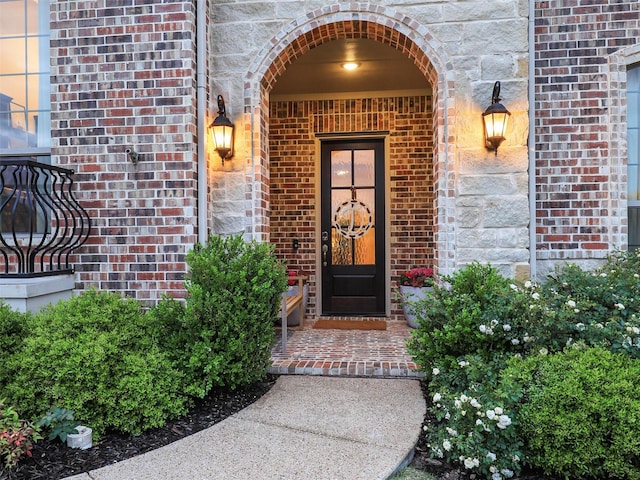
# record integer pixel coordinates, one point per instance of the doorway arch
(363, 21)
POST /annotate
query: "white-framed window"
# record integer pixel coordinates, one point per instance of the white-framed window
(633, 154)
(25, 111)
(25, 105)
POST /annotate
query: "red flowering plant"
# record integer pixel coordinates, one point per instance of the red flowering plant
(417, 277)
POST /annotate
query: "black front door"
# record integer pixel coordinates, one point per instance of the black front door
(353, 236)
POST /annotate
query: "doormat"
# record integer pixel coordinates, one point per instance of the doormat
(351, 324)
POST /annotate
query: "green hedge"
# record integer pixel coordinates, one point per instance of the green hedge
(13, 330)
(580, 413)
(93, 354)
(224, 335)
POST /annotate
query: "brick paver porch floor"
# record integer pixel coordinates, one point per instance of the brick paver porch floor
(365, 353)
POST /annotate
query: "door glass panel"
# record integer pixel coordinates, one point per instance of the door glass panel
(16, 62)
(367, 196)
(341, 249)
(364, 167)
(365, 248)
(339, 197)
(341, 168)
(353, 224)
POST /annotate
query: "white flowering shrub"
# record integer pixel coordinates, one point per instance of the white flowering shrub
(599, 308)
(475, 424)
(474, 323)
(479, 313)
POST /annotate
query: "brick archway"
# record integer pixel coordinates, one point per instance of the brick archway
(343, 30)
(345, 22)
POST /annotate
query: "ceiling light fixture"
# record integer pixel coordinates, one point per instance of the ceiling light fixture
(350, 66)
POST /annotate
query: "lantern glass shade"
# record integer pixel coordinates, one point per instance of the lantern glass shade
(222, 136)
(495, 118)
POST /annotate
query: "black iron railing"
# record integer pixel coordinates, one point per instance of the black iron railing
(41, 221)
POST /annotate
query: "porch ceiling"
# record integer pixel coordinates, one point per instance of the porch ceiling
(382, 68)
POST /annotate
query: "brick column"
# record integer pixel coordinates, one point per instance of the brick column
(123, 76)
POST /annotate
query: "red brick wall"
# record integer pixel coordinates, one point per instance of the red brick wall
(574, 198)
(123, 75)
(292, 161)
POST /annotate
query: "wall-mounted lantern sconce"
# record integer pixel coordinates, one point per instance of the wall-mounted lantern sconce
(495, 119)
(222, 132)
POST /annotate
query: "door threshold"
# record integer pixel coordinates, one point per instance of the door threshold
(355, 318)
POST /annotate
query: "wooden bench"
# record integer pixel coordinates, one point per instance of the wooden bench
(289, 304)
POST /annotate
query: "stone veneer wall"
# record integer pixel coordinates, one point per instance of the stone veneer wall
(123, 76)
(580, 127)
(481, 200)
(294, 183)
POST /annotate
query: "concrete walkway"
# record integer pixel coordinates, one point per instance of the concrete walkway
(304, 428)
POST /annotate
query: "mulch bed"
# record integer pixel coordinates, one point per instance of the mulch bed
(54, 460)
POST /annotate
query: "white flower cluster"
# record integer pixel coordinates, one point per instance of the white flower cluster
(502, 420)
(572, 304)
(629, 342)
(487, 419)
(632, 338)
(500, 474)
(484, 329)
(488, 329)
(491, 328)
(469, 462)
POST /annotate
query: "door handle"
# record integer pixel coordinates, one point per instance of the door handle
(325, 249)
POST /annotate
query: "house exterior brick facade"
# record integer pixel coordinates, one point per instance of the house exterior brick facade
(124, 76)
(582, 51)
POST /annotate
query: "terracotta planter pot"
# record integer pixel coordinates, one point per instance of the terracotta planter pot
(411, 294)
